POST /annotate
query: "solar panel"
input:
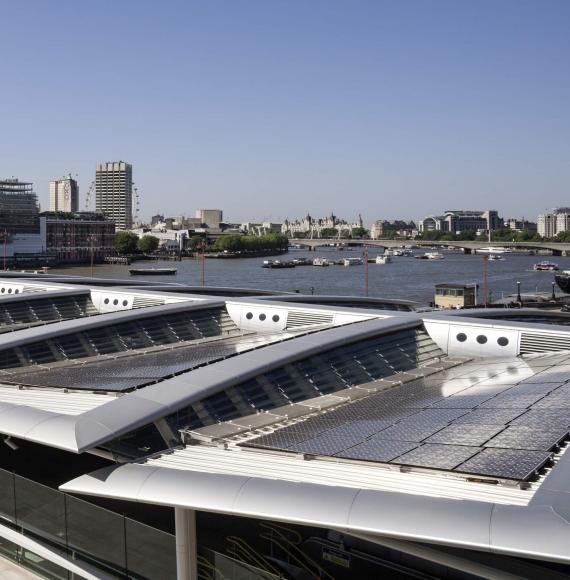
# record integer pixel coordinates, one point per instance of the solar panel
(465, 434)
(511, 401)
(460, 402)
(489, 416)
(375, 449)
(327, 444)
(545, 418)
(520, 437)
(407, 430)
(438, 456)
(505, 463)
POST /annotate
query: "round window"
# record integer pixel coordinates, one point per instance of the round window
(262, 316)
(461, 337)
(106, 301)
(125, 302)
(249, 315)
(3, 290)
(9, 290)
(502, 341)
(16, 291)
(481, 339)
(275, 318)
(115, 302)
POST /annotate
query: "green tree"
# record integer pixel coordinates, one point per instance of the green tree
(148, 244)
(329, 233)
(126, 242)
(359, 232)
(228, 243)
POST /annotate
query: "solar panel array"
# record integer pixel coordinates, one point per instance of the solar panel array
(130, 371)
(41, 310)
(500, 420)
(116, 338)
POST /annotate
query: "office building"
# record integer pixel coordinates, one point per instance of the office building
(550, 224)
(73, 238)
(211, 217)
(19, 210)
(114, 192)
(219, 433)
(462, 220)
(64, 195)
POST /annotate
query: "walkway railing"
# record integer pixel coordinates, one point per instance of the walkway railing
(117, 545)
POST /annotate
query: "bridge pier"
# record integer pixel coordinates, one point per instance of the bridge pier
(467, 251)
(558, 253)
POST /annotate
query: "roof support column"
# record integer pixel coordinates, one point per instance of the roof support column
(186, 544)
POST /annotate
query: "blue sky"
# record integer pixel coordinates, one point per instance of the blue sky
(272, 108)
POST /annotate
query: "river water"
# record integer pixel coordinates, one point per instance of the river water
(404, 278)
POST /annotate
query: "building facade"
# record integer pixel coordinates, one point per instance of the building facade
(520, 224)
(380, 228)
(550, 224)
(261, 229)
(64, 195)
(313, 227)
(19, 210)
(462, 220)
(74, 238)
(114, 192)
(211, 217)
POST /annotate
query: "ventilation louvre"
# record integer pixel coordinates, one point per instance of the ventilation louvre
(542, 342)
(140, 302)
(296, 318)
(30, 289)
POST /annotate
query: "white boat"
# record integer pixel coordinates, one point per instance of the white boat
(495, 257)
(493, 250)
(383, 259)
(321, 262)
(545, 266)
(431, 256)
(353, 261)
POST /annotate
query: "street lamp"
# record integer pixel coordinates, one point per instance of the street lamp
(519, 298)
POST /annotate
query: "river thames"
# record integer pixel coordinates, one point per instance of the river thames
(404, 278)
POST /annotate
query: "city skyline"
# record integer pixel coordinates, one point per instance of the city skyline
(272, 110)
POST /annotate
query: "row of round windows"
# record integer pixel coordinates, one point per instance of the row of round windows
(262, 317)
(9, 291)
(482, 339)
(115, 302)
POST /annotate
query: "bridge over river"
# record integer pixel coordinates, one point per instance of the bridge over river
(557, 249)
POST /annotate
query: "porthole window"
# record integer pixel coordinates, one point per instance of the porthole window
(481, 339)
(106, 301)
(115, 302)
(262, 316)
(16, 291)
(125, 302)
(502, 341)
(461, 337)
(3, 290)
(9, 290)
(275, 318)
(249, 315)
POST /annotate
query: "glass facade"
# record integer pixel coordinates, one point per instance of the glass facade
(81, 531)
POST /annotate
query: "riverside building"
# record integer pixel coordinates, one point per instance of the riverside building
(457, 221)
(550, 224)
(159, 431)
(64, 195)
(114, 192)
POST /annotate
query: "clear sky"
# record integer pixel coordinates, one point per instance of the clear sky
(272, 108)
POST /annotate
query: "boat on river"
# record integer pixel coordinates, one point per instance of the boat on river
(495, 257)
(321, 262)
(383, 259)
(353, 261)
(545, 266)
(152, 271)
(430, 256)
(277, 264)
(493, 250)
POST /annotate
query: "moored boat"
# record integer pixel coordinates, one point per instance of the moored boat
(495, 257)
(545, 266)
(276, 264)
(321, 262)
(383, 259)
(152, 271)
(430, 256)
(353, 261)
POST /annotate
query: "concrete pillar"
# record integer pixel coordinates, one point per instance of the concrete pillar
(186, 544)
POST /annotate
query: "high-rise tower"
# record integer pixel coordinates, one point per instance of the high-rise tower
(114, 192)
(64, 195)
